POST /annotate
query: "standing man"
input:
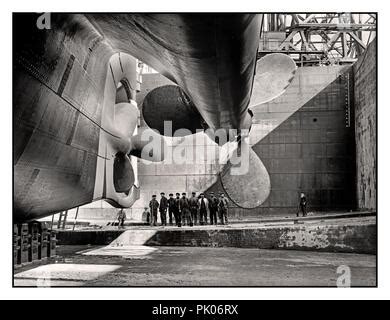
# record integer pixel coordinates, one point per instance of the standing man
(213, 205)
(302, 205)
(223, 209)
(193, 201)
(163, 209)
(153, 205)
(185, 210)
(146, 215)
(177, 210)
(203, 205)
(121, 218)
(171, 208)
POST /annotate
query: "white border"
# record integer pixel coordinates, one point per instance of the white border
(6, 292)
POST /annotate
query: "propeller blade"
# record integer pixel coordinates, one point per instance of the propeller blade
(170, 103)
(122, 127)
(274, 73)
(148, 145)
(126, 118)
(123, 173)
(246, 188)
(122, 93)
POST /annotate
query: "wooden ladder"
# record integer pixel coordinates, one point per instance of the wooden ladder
(62, 219)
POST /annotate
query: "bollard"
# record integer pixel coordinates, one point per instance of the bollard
(35, 240)
(45, 236)
(52, 244)
(25, 245)
(16, 245)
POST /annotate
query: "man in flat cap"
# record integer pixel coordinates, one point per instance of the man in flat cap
(203, 205)
(185, 210)
(213, 205)
(146, 215)
(163, 209)
(171, 208)
(193, 202)
(223, 209)
(153, 205)
(177, 210)
(121, 218)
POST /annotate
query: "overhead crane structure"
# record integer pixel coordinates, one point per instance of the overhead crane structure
(318, 38)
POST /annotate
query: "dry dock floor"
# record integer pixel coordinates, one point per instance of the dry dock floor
(194, 266)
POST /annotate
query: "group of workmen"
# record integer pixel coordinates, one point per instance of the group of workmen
(189, 211)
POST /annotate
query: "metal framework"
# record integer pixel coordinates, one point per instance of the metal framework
(318, 39)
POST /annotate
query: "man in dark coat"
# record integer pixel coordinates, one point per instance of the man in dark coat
(223, 209)
(302, 205)
(185, 210)
(193, 202)
(213, 206)
(146, 215)
(153, 205)
(171, 208)
(203, 204)
(163, 209)
(177, 211)
(121, 218)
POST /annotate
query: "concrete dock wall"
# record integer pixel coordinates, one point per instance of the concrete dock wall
(365, 84)
(347, 236)
(85, 237)
(326, 238)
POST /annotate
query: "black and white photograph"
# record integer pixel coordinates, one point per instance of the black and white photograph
(194, 149)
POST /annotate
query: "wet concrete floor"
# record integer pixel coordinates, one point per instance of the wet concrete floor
(194, 266)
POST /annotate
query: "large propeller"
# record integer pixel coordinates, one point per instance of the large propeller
(249, 189)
